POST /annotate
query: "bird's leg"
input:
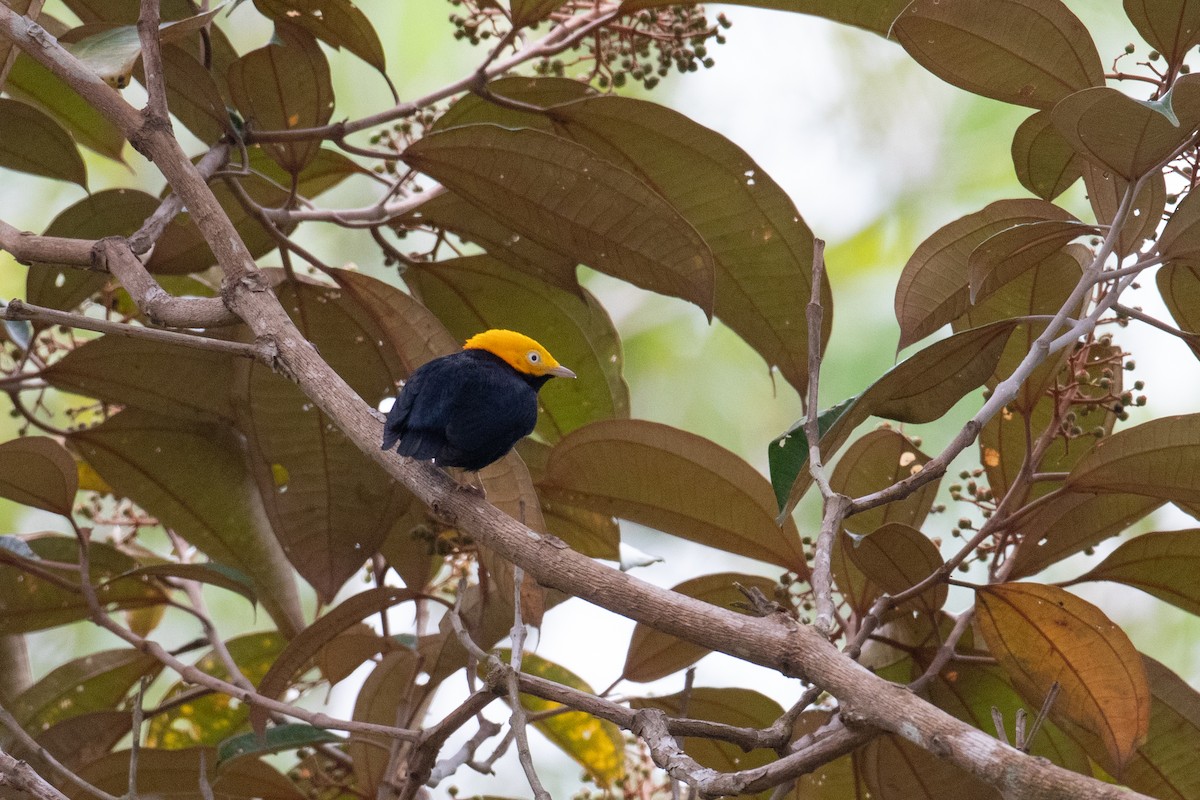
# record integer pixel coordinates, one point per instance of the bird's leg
(469, 481)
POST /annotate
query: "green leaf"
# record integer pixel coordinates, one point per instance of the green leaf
(595, 744)
(897, 557)
(919, 389)
(282, 87)
(32, 82)
(210, 719)
(1073, 523)
(176, 774)
(112, 212)
(875, 461)
(676, 482)
(934, 287)
(1163, 564)
(1105, 190)
(1043, 635)
(872, 15)
(192, 477)
(36, 471)
(558, 192)
(180, 382)
(788, 455)
(30, 602)
(276, 739)
(1045, 162)
(478, 292)
(211, 573)
(330, 505)
(338, 23)
(731, 706)
(761, 248)
(98, 681)
(305, 645)
(1172, 27)
(653, 654)
(30, 141)
(1127, 136)
(1029, 52)
(1159, 458)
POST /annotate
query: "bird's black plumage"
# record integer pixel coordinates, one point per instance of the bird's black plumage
(463, 410)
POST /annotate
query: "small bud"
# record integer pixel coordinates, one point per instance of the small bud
(1154, 55)
(1129, 48)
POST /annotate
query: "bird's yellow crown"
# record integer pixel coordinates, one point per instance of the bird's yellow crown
(520, 352)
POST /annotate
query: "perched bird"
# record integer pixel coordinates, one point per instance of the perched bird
(469, 408)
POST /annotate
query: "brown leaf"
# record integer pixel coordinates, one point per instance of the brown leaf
(934, 286)
(653, 655)
(1105, 190)
(1172, 27)
(36, 471)
(1042, 635)
(1163, 564)
(30, 141)
(1005, 256)
(676, 482)
(875, 461)
(1159, 458)
(897, 557)
(875, 15)
(1029, 52)
(1045, 163)
(338, 24)
(896, 769)
(176, 774)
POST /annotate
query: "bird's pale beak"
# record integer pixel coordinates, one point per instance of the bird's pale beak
(561, 372)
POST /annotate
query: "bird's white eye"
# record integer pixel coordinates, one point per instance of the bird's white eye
(534, 357)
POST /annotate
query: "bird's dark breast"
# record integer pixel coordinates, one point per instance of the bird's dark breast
(465, 410)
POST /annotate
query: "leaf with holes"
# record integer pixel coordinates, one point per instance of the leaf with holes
(875, 461)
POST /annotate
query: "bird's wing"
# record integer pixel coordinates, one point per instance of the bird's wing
(493, 411)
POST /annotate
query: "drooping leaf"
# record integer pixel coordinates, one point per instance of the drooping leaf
(329, 504)
(920, 389)
(30, 141)
(308, 642)
(192, 477)
(1029, 52)
(1127, 136)
(897, 557)
(1172, 27)
(36, 471)
(210, 719)
(872, 15)
(212, 573)
(284, 86)
(1180, 240)
(653, 655)
(761, 248)
(338, 23)
(180, 382)
(176, 774)
(28, 80)
(875, 461)
(276, 739)
(1072, 523)
(1007, 255)
(1163, 564)
(1159, 458)
(1042, 635)
(349, 650)
(896, 769)
(731, 706)
(1105, 191)
(389, 696)
(675, 481)
(934, 286)
(1045, 163)
(595, 744)
(1179, 285)
(98, 681)
(30, 602)
(558, 192)
(476, 293)
(112, 212)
